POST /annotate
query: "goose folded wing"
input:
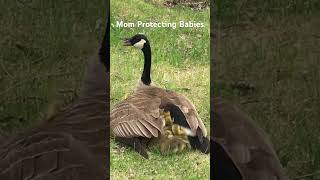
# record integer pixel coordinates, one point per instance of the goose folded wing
(136, 118)
(189, 111)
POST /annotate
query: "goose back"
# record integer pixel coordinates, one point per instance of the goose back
(71, 145)
(246, 144)
(140, 114)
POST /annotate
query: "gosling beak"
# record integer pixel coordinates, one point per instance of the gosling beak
(126, 42)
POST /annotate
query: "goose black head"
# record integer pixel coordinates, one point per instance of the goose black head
(139, 41)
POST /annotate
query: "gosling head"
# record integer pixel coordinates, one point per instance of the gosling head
(139, 41)
(167, 118)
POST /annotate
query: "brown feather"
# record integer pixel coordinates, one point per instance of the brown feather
(72, 144)
(246, 144)
(144, 106)
(69, 146)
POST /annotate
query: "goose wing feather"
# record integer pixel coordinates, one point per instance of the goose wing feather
(188, 110)
(252, 151)
(141, 112)
(137, 116)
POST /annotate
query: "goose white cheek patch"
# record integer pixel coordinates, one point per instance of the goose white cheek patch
(140, 44)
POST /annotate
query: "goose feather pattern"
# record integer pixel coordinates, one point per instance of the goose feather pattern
(246, 144)
(140, 114)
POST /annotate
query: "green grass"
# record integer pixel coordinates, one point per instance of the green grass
(277, 52)
(180, 63)
(43, 48)
(243, 11)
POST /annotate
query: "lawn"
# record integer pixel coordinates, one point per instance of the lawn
(267, 61)
(180, 63)
(43, 49)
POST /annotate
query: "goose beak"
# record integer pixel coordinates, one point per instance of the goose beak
(126, 42)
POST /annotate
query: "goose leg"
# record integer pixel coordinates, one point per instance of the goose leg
(136, 144)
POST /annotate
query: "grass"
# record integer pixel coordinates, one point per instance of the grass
(43, 49)
(276, 52)
(180, 63)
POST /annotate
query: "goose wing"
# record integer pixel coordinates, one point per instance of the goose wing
(48, 155)
(252, 151)
(137, 116)
(188, 110)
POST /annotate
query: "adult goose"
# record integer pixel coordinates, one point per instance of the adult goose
(138, 119)
(241, 150)
(72, 144)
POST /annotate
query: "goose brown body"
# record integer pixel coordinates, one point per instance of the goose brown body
(140, 114)
(246, 144)
(71, 144)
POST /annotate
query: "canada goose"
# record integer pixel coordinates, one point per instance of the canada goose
(137, 119)
(241, 149)
(72, 145)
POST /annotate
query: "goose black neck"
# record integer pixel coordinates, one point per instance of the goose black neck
(145, 78)
(104, 51)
